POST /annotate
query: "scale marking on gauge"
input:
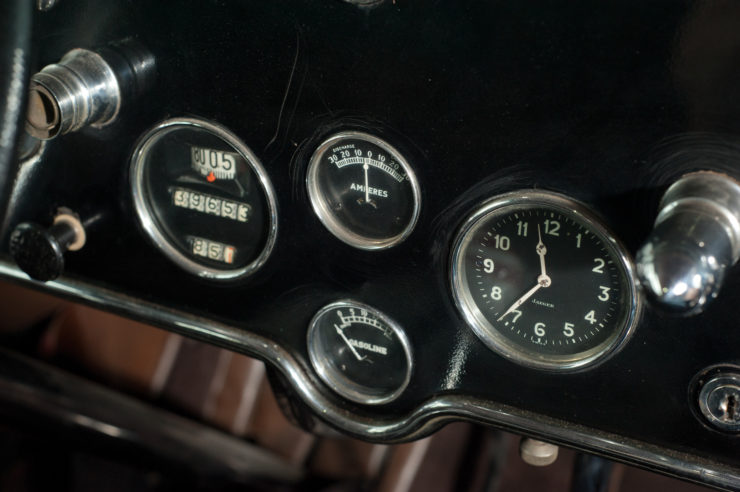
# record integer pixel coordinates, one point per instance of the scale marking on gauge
(347, 339)
(363, 190)
(550, 254)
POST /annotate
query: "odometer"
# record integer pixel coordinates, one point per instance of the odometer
(203, 198)
(542, 282)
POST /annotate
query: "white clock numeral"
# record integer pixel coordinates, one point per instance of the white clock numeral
(590, 317)
(552, 227)
(488, 265)
(521, 228)
(604, 296)
(578, 240)
(502, 242)
(568, 329)
(599, 268)
(539, 329)
(496, 293)
(517, 314)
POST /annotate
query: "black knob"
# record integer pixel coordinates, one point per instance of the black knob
(39, 251)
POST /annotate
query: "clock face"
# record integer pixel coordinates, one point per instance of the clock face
(542, 282)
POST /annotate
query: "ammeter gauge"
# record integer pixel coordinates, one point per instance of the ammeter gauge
(359, 352)
(363, 190)
(203, 198)
(541, 281)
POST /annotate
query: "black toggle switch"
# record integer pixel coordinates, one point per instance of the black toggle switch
(39, 251)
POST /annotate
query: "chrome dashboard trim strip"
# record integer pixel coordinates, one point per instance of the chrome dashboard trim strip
(423, 420)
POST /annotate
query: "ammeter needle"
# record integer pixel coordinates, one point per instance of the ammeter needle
(367, 188)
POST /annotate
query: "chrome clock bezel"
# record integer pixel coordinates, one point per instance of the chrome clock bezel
(150, 225)
(341, 385)
(489, 334)
(330, 221)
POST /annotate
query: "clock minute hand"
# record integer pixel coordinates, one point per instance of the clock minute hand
(522, 299)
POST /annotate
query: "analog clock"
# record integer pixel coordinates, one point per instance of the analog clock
(542, 282)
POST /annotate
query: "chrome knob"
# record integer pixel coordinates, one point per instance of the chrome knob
(696, 237)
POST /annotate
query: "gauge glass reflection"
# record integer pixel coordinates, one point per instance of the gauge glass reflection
(204, 199)
(363, 190)
(359, 352)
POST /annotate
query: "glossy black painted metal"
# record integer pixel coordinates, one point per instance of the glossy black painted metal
(482, 98)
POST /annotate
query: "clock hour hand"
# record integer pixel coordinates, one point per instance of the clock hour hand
(541, 249)
(541, 252)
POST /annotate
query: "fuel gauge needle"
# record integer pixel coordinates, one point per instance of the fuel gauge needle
(354, 351)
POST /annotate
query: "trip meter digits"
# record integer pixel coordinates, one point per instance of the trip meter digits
(359, 352)
(203, 198)
(363, 190)
(542, 282)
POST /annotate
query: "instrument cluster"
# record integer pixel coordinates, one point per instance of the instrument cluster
(537, 276)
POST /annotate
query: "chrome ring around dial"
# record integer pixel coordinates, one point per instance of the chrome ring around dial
(203, 198)
(359, 352)
(542, 282)
(363, 190)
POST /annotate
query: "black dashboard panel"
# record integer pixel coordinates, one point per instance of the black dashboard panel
(482, 98)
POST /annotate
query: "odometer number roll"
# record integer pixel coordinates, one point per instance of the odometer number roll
(542, 282)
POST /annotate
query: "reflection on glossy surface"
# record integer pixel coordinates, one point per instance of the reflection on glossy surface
(696, 238)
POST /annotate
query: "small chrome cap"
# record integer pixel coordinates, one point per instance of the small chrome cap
(537, 453)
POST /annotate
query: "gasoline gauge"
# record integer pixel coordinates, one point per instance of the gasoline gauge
(204, 199)
(363, 190)
(542, 282)
(359, 352)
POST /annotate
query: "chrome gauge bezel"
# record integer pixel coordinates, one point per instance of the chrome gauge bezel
(147, 218)
(488, 334)
(342, 385)
(323, 211)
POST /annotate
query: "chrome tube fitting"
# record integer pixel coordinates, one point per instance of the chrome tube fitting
(86, 88)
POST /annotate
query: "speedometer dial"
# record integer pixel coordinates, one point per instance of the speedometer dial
(363, 190)
(204, 199)
(542, 282)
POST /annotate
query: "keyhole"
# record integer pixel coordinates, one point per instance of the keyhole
(729, 407)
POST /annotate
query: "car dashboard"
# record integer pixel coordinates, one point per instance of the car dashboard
(364, 196)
